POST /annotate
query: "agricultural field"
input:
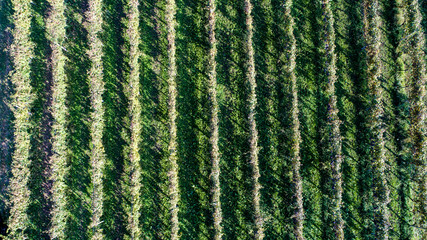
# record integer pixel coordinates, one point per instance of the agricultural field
(213, 119)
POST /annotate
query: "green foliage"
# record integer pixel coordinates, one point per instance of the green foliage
(307, 70)
(331, 140)
(274, 95)
(347, 20)
(417, 95)
(217, 119)
(6, 117)
(28, 200)
(19, 222)
(61, 214)
(98, 158)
